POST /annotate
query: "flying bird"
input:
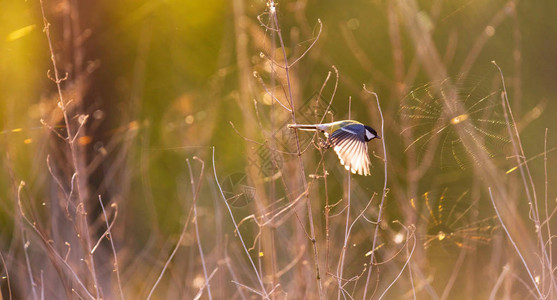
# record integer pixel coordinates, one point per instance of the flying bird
(349, 140)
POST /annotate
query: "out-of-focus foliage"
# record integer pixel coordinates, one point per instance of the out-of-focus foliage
(164, 81)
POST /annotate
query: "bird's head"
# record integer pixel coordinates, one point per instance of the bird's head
(371, 133)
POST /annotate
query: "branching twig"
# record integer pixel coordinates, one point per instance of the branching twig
(200, 293)
(49, 246)
(26, 242)
(383, 196)
(74, 151)
(515, 247)
(525, 171)
(264, 293)
(413, 236)
(109, 236)
(195, 192)
(273, 15)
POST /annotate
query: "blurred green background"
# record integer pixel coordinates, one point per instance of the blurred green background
(162, 80)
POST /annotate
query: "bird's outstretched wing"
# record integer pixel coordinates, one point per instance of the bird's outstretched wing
(350, 145)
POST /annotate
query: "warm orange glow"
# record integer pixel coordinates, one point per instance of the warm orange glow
(84, 140)
(459, 119)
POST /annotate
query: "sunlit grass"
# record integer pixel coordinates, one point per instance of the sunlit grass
(194, 187)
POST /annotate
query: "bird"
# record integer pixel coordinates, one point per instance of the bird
(349, 140)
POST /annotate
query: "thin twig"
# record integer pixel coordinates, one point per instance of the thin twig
(455, 272)
(383, 196)
(340, 267)
(109, 236)
(525, 170)
(74, 151)
(500, 279)
(344, 248)
(108, 229)
(413, 236)
(547, 217)
(265, 294)
(273, 14)
(515, 246)
(58, 182)
(484, 37)
(310, 46)
(229, 267)
(250, 289)
(410, 274)
(7, 275)
(53, 130)
(169, 258)
(195, 192)
(49, 246)
(200, 292)
(26, 242)
(269, 92)
(42, 285)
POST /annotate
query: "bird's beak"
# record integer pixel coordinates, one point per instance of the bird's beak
(378, 137)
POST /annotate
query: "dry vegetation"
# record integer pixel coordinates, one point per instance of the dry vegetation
(452, 210)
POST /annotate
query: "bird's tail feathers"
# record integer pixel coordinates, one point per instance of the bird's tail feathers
(306, 127)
